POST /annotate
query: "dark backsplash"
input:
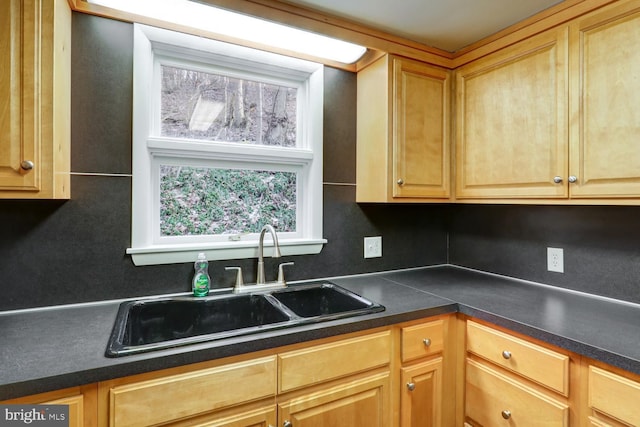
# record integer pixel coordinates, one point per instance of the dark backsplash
(601, 245)
(54, 252)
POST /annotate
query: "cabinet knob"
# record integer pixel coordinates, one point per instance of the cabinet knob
(506, 414)
(411, 386)
(573, 179)
(557, 179)
(506, 354)
(26, 165)
(400, 181)
(426, 342)
(287, 423)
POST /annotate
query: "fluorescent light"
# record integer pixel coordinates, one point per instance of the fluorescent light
(209, 18)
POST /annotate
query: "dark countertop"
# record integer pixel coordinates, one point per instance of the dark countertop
(59, 347)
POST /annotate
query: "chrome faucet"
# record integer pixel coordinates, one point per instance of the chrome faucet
(276, 251)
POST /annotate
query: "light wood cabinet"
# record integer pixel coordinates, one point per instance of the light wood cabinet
(402, 132)
(539, 364)
(345, 382)
(337, 380)
(554, 118)
(359, 403)
(611, 396)
(512, 381)
(421, 394)
(81, 402)
(493, 398)
(190, 394)
(605, 116)
(35, 93)
(422, 374)
(511, 121)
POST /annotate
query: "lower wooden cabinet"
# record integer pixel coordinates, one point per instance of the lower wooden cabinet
(243, 416)
(613, 397)
(169, 398)
(333, 382)
(361, 403)
(427, 387)
(438, 372)
(493, 398)
(512, 381)
(81, 402)
(421, 394)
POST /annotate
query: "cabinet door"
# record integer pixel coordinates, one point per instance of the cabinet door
(240, 417)
(35, 45)
(362, 403)
(80, 400)
(420, 130)
(191, 394)
(421, 396)
(512, 126)
(605, 133)
(492, 399)
(18, 48)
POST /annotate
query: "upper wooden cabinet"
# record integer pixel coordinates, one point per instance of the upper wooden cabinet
(35, 93)
(605, 113)
(555, 117)
(403, 132)
(511, 121)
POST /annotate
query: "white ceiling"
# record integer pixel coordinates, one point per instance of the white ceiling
(446, 24)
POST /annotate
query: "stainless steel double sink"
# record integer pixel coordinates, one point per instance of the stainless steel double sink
(159, 323)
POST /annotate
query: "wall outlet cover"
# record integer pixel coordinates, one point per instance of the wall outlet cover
(555, 260)
(373, 247)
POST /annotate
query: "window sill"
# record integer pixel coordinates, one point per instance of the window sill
(154, 255)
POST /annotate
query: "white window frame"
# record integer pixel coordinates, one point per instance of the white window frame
(154, 47)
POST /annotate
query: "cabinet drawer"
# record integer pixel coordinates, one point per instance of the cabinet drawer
(321, 363)
(422, 340)
(494, 399)
(537, 363)
(178, 396)
(614, 395)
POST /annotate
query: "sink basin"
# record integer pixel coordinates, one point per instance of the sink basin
(158, 323)
(324, 300)
(149, 324)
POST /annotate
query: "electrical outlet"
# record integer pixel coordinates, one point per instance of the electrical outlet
(373, 247)
(555, 260)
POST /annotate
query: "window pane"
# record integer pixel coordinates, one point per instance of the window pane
(220, 108)
(206, 201)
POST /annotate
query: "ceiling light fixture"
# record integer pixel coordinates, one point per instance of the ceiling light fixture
(209, 18)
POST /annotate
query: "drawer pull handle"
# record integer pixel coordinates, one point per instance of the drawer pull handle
(506, 414)
(426, 342)
(411, 386)
(506, 354)
(287, 423)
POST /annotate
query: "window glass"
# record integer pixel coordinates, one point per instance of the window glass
(201, 105)
(203, 201)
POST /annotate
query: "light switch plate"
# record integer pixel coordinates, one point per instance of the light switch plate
(373, 247)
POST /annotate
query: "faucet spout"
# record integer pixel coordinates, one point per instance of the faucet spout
(276, 251)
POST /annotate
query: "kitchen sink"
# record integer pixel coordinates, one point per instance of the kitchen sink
(322, 300)
(158, 323)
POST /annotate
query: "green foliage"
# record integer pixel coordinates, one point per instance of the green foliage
(208, 201)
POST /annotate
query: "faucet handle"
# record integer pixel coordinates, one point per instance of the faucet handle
(281, 272)
(239, 281)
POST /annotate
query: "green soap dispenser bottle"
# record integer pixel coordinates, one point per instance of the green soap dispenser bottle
(201, 279)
